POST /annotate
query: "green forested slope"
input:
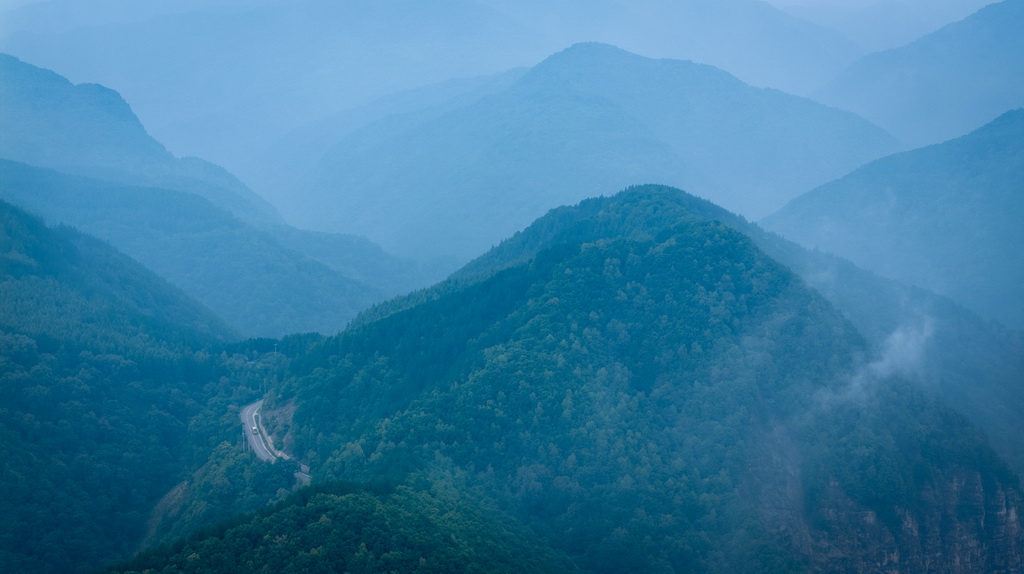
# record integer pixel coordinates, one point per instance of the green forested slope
(348, 528)
(102, 365)
(640, 400)
(119, 422)
(973, 363)
(59, 282)
(246, 275)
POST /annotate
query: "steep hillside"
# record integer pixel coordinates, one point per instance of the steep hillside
(589, 119)
(346, 528)
(945, 217)
(971, 362)
(61, 281)
(943, 85)
(676, 401)
(248, 277)
(102, 368)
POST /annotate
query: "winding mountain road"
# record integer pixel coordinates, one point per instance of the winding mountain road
(252, 423)
(250, 415)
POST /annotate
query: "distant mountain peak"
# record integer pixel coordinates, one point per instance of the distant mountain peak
(945, 217)
(943, 84)
(590, 119)
(44, 116)
(89, 129)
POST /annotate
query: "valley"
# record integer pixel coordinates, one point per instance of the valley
(482, 286)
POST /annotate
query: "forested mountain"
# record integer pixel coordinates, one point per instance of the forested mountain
(102, 365)
(63, 282)
(347, 528)
(643, 381)
(246, 275)
(252, 71)
(945, 217)
(188, 220)
(972, 363)
(590, 119)
(943, 85)
(651, 396)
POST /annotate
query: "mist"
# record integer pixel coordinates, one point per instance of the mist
(587, 286)
(231, 82)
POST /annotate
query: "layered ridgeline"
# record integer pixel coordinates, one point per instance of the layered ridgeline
(251, 70)
(88, 129)
(590, 119)
(945, 217)
(247, 276)
(119, 421)
(943, 85)
(189, 221)
(887, 23)
(103, 369)
(61, 281)
(648, 391)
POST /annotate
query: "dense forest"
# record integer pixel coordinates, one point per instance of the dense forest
(618, 395)
(340, 527)
(466, 318)
(113, 384)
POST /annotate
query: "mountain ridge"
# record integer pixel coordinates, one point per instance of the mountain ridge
(592, 117)
(86, 160)
(603, 375)
(943, 85)
(943, 217)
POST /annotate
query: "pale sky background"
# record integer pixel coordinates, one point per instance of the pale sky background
(850, 3)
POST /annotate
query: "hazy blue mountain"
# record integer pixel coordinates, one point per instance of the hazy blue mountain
(885, 24)
(945, 217)
(943, 85)
(751, 39)
(648, 390)
(248, 277)
(59, 282)
(189, 220)
(251, 72)
(590, 119)
(88, 129)
(276, 170)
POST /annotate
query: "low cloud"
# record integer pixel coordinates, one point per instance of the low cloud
(903, 354)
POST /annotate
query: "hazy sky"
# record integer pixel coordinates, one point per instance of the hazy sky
(848, 3)
(10, 4)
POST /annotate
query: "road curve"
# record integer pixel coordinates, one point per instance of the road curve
(254, 431)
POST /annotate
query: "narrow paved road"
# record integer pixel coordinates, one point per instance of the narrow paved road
(254, 431)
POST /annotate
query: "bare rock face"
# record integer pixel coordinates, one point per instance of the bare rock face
(961, 521)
